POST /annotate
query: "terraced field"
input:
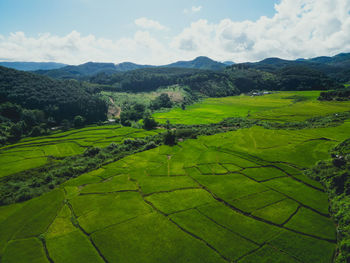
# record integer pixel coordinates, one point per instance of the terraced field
(281, 106)
(33, 152)
(232, 197)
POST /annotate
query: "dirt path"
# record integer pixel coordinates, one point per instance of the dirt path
(113, 110)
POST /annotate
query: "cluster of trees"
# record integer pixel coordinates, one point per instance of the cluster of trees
(339, 95)
(16, 122)
(133, 111)
(31, 104)
(162, 101)
(335, 176)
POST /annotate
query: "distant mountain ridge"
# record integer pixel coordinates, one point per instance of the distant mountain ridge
(198, 63)
(32, 66)
(92, 68)
(336, 67)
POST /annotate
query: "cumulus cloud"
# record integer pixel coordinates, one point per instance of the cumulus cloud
(194, 9)
(299, 28)
(146, 23)
(75, 48)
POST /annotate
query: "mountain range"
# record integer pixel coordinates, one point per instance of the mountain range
(336, 66)
(32, 66)
(92, 68)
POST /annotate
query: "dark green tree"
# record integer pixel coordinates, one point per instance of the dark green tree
(79, 121)
(37, 131)
(149, 123)
(65, 125)
(162, 101)
(16, 131)
(11, 111)
(170, 138)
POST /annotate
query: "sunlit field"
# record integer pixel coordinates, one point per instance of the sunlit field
(281, 106)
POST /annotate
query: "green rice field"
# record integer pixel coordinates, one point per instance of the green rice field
(279, 106)
(186, 202)
(34, 152)
(238, 196)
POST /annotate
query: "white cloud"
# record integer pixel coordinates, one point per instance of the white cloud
(299, 28)
(194, 9)
(75, 48)
(146, 23)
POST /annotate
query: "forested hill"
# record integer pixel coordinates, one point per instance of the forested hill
(233, 80)
(199, 63)
(57, 99)
(79, 72)
(205, 82)
(287, 78)
(336, 67)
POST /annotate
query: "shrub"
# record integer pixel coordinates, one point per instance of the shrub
(37, 131)
(79, 121)
(170, 138)
(92, 151)
(149, 124)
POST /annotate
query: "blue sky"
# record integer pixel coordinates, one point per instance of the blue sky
(161, 31)
(115, 18)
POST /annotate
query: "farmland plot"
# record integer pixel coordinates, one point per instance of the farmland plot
(221, 198)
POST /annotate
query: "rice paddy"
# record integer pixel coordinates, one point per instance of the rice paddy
(34, 152)
(280, 107)
(232, 197)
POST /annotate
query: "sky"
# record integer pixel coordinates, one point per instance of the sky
(163, 31)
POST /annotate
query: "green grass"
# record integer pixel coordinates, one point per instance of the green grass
(278, 212)
(255, 201)
(309, 222)
(114, 184)
(300, 246)
(273, 107)
(212, 168)
(153, 184)
(246, 226)
(32, 219)
(268, 254)
(214, 234)
(263, 173)
(231, 186)
(98, 211)
(152, 238)
(66, 243)
(300, 192)
(33, 152)
(232, 195)
(180, 200)
(25, 250)
(213, 110)
(71, 248)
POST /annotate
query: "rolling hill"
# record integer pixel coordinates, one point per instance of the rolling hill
(92, 68)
